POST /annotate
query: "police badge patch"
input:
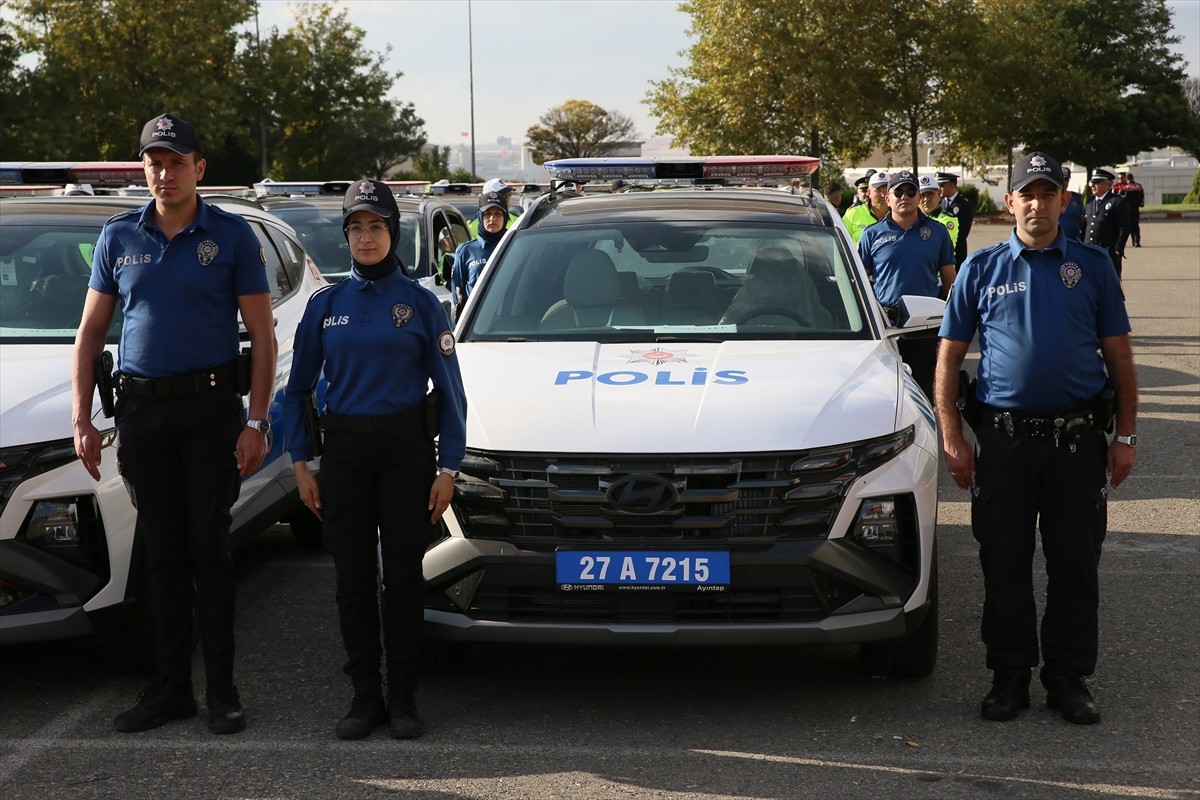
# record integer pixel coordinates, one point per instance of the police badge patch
(925, 232)
(446, 343)
(1070, 274)
(401, 314)
(206, 252)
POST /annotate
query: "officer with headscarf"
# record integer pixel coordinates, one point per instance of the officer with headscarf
(471, 256)
(379, 338)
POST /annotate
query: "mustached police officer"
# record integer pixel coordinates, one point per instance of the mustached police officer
(182, 270)
(1053, 331)
(380, 338)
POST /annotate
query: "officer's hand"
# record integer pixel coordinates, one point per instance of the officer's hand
(440, 495)
(87, 447)
(251, 450)
(960, 459)
(310, 492)
(1120, 463)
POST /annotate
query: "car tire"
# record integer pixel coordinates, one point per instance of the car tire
(913, 655)
(306, 528)
(131, 648)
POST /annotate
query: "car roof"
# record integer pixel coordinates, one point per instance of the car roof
(410, 203)
(97, 209)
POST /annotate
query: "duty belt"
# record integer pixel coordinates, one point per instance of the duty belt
(1013, 423)
(224, 377)
(401, 421)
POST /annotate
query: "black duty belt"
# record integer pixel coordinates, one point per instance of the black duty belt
(1057, 426)
(401, 421)
(223, 377)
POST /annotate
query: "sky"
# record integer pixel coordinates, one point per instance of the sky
(533, 55)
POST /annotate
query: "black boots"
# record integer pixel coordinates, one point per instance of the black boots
(1009, 694)
(406, 723)
(366, 711)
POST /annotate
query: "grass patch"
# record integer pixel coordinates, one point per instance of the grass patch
(1171, 207)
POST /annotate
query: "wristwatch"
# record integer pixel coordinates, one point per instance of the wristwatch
(1130, 440)
(263, 426)
(453, 473)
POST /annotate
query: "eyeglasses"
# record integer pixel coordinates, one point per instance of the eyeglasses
(904, 191)
(376, 229)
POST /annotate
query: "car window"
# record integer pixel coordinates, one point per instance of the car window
(408, 245)
(43, 281)
(320, 232)
(291, 256)
(278, 281)
(725, 280)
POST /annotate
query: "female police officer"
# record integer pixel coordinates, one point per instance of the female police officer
(380, 338)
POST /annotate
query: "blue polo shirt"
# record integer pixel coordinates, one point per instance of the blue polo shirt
(380, 343)
(1040, 317)
(905, 261)
(1069, 220)
(179, 298)
(469, 260)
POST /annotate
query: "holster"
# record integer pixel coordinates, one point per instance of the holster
(966, 402)
(312, 424)
(106, 384)
(431, 409)
(242, 367)
(1106, 407)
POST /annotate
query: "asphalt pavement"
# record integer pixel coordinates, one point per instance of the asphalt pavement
(745, 724)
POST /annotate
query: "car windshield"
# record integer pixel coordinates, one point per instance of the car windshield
(320, 231)
(671, 280)
(43, 282)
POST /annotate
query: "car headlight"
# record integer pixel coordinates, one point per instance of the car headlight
(69, 528)
(888, 526)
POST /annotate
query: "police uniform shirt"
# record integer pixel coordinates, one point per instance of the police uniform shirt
(1069, 219)
(857, 219)
(179, 297)
(469, 260)
(1040, 317)
(379, 343)
(905, 261)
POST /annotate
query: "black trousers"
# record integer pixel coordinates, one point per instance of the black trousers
(1024, 484)
(178, 461)
(375, 501)
(920, 354)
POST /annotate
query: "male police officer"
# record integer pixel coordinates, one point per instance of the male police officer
(182, 270)
(929, 199)
(1051, 321)
(1071, 220)
(908, 253)
(961, 208)
(1107, 217)
(1135, 198)
(858, 218)
(861, 185)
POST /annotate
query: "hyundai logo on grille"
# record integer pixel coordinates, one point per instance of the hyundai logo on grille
(642, 493)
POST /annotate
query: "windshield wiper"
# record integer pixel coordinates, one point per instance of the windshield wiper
(705, 339)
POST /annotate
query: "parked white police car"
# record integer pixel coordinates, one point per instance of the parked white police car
(689, 425)
(69, 561)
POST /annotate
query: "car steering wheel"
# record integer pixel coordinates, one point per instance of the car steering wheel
(771, 311)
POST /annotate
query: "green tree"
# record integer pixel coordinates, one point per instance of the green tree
(12, 88)
(428, 164)
(1121, 50)
(774, 77)
(383, 137)
(578, 129)
(106, 66)
(320, 83)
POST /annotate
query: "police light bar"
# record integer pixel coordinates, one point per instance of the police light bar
(270, 188)
(681, 170)
(108, 172)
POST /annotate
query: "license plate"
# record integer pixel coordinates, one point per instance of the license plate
(643, 568)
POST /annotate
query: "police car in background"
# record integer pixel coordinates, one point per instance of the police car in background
(689, 425)
(70, 564)
(430, 229)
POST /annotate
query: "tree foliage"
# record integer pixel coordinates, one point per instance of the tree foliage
(578, 129)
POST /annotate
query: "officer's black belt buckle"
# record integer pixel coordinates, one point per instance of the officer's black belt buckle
(401, 421)
(172, 386)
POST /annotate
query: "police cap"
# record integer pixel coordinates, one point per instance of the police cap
(879, 179)
(1036, 167)
(946, 177)
(901, 177)
(927, 183)
(863, 181)
(492, 200)
(1101, 174)
(369, 195)
(171, 132)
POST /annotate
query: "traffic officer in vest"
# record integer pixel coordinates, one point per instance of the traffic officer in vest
(1053, 342)
(379, 338)
(182, 271)
(908, 253)
(858, 218)
(929, 198)
(471, 257)
(961, 208)
(495, 186)
(1107, 217)
(1071, 220)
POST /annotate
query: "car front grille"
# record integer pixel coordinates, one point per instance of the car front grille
(641, 499)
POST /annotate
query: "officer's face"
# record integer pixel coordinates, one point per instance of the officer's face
(929, 200)
(1100, 188)
(948, 189)
(493, 220)
(369, 238)
(902, 200)
(878, 196)
(1036, 208)
(172, 177)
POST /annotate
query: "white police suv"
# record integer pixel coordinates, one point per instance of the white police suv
(688, 424)
(70, 564)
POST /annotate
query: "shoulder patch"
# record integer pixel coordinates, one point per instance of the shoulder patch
(446, 343)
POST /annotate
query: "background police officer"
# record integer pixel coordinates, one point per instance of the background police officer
(908, 253)
(182, 271)
(1071, 220)
(379, 338)
(961, 208)
(1107, 217)
(859, 217)
(1051, 322)
(1135, 198)
(471, 257)
(929, 199)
